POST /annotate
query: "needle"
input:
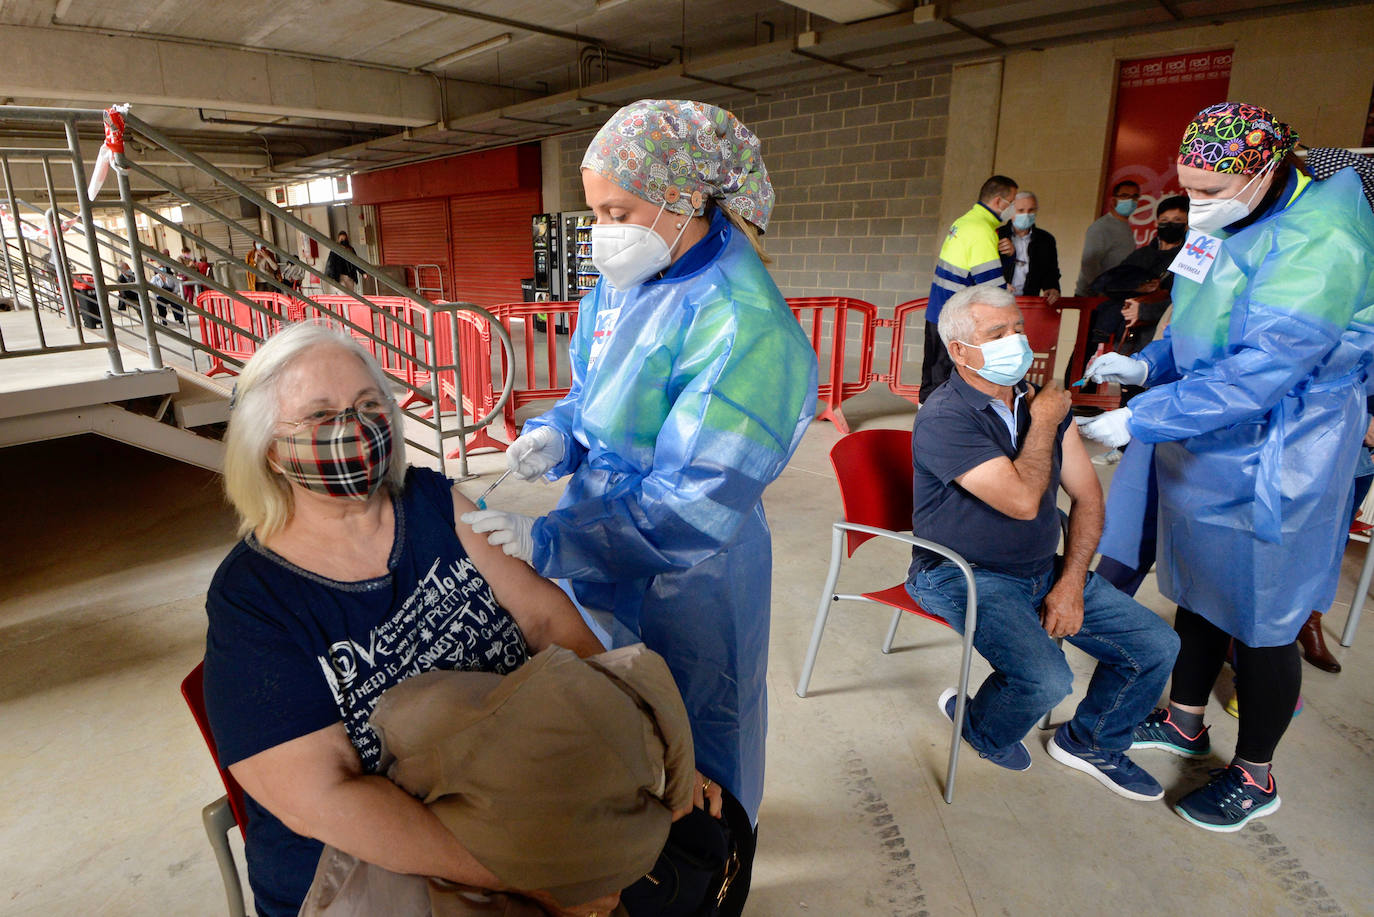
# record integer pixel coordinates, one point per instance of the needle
(482, 500)
(1100, 348)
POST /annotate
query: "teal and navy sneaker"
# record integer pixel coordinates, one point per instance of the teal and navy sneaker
(1112, 769)
(1230, 800)
(1158, 731)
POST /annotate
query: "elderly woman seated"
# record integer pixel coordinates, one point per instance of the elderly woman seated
(350, 578)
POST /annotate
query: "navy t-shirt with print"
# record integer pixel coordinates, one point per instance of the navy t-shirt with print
(289, 652)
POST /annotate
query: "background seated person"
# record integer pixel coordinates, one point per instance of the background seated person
(990, 455)
(1030, 258)
(350, 578)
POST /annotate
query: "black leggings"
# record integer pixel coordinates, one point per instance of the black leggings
(1268, 679)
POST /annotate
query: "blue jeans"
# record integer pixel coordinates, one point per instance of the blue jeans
(1135, 650)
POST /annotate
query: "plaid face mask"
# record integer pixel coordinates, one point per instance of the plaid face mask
(346, 456)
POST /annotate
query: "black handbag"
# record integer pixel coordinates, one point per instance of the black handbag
(693, 873)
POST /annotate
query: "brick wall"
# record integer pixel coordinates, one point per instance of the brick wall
(856, 163)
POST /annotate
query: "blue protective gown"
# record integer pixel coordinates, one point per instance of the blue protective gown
(689, 395)
(1256, 410)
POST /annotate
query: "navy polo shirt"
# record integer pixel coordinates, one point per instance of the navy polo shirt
(957, 430)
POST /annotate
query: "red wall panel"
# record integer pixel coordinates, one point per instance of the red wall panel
(506, 169)
(414, 232)
(491, 248)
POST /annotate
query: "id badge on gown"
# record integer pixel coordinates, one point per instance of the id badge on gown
(1195, 259)
(601, 334)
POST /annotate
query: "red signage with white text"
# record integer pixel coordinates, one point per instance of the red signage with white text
(1155, 99)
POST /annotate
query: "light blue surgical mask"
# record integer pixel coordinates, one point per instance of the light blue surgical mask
(1023, 221)
(1125, 207)
(1005, 360)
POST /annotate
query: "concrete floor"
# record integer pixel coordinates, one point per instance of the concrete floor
(108, 553)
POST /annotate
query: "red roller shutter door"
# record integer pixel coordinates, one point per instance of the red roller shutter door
(414, 232)
(492, 250)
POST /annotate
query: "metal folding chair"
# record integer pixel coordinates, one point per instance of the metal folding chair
(874, 469)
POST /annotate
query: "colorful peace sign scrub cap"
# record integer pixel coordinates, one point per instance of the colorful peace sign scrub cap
(677, 153)
(1233, 138)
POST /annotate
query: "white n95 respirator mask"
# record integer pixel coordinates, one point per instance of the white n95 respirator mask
(628, 254)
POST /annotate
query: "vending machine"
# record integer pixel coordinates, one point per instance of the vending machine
(579, 275)
(545, 234)
(563, 270)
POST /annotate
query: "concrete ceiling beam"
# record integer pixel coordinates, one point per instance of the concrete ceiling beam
(120, 68)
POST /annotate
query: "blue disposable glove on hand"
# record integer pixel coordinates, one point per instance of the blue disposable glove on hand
(1112, 428)
(511, 532)
(535, 453)
(1116, 367)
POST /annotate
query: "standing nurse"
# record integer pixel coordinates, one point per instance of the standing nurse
(692, 385)
(1253, 422)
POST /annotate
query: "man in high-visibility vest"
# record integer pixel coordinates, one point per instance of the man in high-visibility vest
(968, 257)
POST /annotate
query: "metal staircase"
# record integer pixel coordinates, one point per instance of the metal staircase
(86, 349)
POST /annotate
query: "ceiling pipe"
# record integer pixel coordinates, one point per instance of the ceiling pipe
(499, 20)
(280, 125)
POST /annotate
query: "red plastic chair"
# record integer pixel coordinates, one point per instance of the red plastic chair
(874, 471)
(224, 813)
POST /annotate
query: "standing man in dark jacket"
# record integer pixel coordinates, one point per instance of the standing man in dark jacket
(1030, 259)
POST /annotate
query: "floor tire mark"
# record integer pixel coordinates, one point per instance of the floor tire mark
(903, 889)
(1305, 891)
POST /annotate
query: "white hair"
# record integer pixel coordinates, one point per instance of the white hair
(1029, 194)
(956, 318)
(260, 495)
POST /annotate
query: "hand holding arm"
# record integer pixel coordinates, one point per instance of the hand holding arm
(1015, 488)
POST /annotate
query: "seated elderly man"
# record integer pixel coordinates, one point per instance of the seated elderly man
(990, 454)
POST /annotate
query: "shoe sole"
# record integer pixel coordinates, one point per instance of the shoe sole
(1068, 759)
(940, 705)
(1268, 807)
(1172, 749)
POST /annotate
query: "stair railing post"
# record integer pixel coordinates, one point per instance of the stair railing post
(93, 246)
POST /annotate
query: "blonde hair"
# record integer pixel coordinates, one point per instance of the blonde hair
(261, 496)
(751, 232)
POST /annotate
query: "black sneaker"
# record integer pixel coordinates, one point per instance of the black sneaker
(1230, 800)
(1158, 731)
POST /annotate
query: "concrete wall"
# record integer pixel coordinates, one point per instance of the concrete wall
(856, 164)
(1314, 70)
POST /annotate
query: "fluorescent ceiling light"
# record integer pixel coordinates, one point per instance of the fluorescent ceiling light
(482, 47)
(607, 4)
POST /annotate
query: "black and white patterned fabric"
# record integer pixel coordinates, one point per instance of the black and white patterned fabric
(1324, 162)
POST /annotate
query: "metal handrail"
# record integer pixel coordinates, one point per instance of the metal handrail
(103, 246)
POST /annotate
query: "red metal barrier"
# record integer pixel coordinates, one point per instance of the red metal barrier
(237, 338)
(908, 316)
(838, 382)
(545, 377)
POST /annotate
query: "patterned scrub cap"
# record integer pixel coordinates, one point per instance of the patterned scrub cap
(678, 153)
(1233, 138)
